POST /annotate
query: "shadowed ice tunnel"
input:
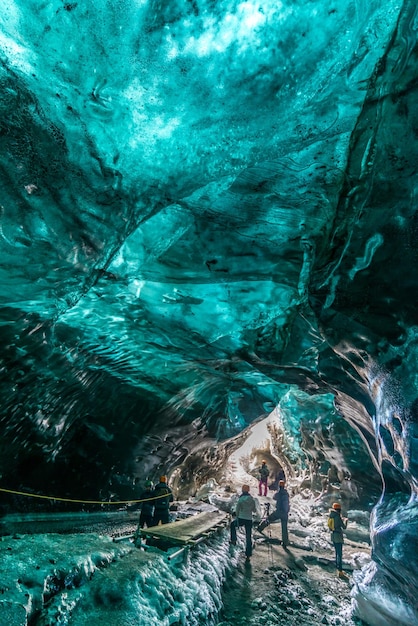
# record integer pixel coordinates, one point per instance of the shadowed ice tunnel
(209, 212)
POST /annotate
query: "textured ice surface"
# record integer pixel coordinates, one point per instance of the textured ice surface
(208, 210)
(79, 579)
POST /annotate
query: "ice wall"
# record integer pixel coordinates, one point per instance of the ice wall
(207, 209)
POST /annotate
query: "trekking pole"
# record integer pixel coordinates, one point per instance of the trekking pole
(270, 547)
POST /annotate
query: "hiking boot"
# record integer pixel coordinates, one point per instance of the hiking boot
(342, 574)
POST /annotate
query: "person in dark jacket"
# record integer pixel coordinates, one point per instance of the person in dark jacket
(277, 477)
(281, 513)
(147, 506)
(163, 496)
(263, 474)
(245, 509)
(281, 475)
(337, 524)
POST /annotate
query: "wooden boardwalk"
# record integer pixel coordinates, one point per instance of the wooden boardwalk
(190, 530)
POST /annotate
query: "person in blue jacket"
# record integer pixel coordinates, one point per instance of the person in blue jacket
(147, 505)
(281, 513)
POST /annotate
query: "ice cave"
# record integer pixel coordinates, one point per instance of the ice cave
(209, 252)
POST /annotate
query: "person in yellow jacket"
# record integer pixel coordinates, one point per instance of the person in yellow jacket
(336, 525)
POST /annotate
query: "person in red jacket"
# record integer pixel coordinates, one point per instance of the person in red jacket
(263, 474)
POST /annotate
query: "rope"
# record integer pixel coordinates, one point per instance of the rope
(36, 495)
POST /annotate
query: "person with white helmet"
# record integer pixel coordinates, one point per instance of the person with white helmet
(246, 507)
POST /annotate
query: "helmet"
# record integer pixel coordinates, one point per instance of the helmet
(163, 479)
(148, 483)
(281, 483)
(245, 488)
(336, 506)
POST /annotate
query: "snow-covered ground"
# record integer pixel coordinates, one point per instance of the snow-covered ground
(79, 579)
(89, 579)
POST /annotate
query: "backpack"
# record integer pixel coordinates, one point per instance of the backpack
(331, 524)
(264, 471)
(160, 502)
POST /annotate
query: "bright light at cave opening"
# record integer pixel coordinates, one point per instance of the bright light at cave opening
(245, 460)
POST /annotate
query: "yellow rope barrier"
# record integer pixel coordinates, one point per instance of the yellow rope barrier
(36, 495)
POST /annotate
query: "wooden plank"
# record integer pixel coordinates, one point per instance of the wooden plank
(188, 529)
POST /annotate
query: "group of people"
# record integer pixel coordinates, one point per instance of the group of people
(246, 508)
(263, 475)
(155, 503)
(155, 509)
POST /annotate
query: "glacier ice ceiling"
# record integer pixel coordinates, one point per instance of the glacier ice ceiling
(208, 210)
